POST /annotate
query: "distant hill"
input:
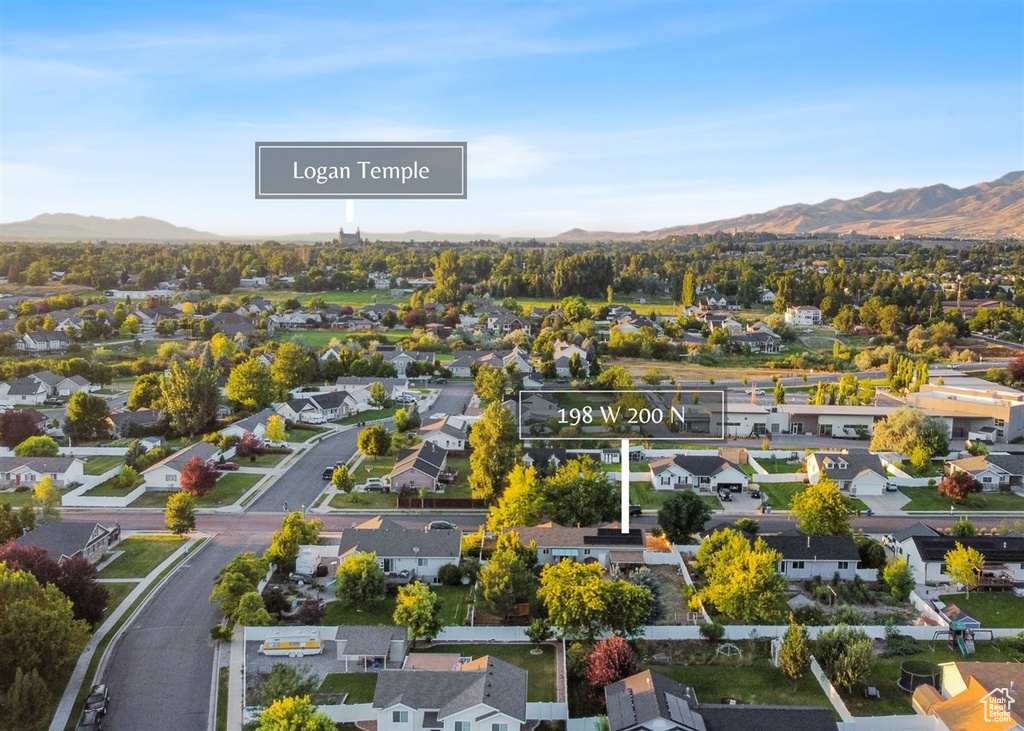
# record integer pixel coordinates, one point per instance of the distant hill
(72, 227)
(985, 210)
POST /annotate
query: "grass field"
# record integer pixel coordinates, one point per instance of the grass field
(359, 687)
(110, 488)
(928, 498)
(644, 495)
(780, 495)
(304, 433)
(228, 490)
(757, 683)
(541, 668)
(118, 590)
(264, 460)
(97, 465)
(356, 299)
(16, 499)
(141, 555)
(992, 609)
(365, 501)
(369, 415)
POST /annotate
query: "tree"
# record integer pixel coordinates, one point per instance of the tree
(963, 564)
(579, 494)
(906, 428)
(78, 582)
(38, 629)
(287, 680)
(490, 383)
(845, 656)
(17, 425)
(506, 582)
(682, 515)
(250, 611)
(275, 432)
(899, 578)
(419, 609)
(292, 366)
(248, 446)
(13, 523)
(872, 553)
(342, 479)
(87, 416)
(740, 579)
(146, 393)
(959, 485)
(964, 528)
(294, 714)
(539, 631)
(46, 497)
(496, 449)
(1016, 369)
(378, 395)
(571, 593)
(361, 580)
(446, 277)
(242, 575)
(374, 441)
(37, 447)
(222, 348)
(520, 504)
(626, 607)
(611, 660)
(795, 652)
(24, 704)
(250, 384)
(190, 395)
(198, 477)
(284, 544)
(689, 293)
(780, 393)
(180, 515)
(821, 509)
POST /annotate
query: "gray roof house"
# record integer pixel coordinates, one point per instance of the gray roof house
(421, 466)
(64, 540)
(856, 471)
(166, 474)
(805, 557)
(650, 701)
(481, 695)
(704, 472)
(420, 553)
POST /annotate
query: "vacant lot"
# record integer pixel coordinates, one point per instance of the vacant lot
(141, 554)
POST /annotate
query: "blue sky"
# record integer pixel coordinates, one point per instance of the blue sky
(605, 116)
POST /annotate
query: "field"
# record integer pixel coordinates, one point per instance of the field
(97, 465)
(992, 609)
(929, 499)
(141, 555)
(359, 686)
(453, 611)
(227, 491)
(780, 495)
(541, 668)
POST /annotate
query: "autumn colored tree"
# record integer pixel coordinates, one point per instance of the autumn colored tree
(495, 451)
(795, 653)
(963, 564)
(361, 580)
(46, 497)
(198, 477)
(38, 446)
(250, 384)
(17, 425)
(374, 441)
(294, 714)
(419, 609)
(611, 660)
(959, 485)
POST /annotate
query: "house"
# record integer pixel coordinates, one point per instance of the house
(358, 387)
(544, 459)
(65, 539)
(974, 695)
(25, 390)
(995, 471)
(419, 467)
(606, 546)
(806, 557)
(401, 359)
(971, 404)
(43, 341)
(926, 556)
(854, 422)
(363, 645)
(757, 342)
(377, 312)
(232, 324)
(300, 320)
(73, 384)
(165, 475)
(419, 552)
(803, 316)
(450, 433)
(131, 423)
(767, 297)
(48, 379)
(896, 541)
(318, 408)
(486, 694)
(649, 701)
(29, 471)
(255, 425)
(257, 305)
(714, 301)
(856, 472)
(703, 472)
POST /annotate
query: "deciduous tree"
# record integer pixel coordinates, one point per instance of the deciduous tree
(342, 479)
(40, 446)
(520, 504)
(580, 493)
(361, 580)
(683, 515)
(87, 416)
(17, 425)
(180, 515)
(963, 564)
(495, 451)
(378, 395)
(795, 653)
(906, 428)
(250, 611)
(250, 384)
(46, 497)
(374, 441)
(418, 609)
(284, 544)
(287, 680)
(506, 582)
(293, 366)
(740, 579)
(959, 485)
(294, 714)
(611, 660)
(275, 431)
(190, 396)
(845, 656)
(821, 509)
(198, 477)
(899, 578)
(490, 383)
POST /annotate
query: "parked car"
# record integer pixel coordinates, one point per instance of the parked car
(635, 510)
(228, 466)
(300, 578)
(90, 721)
(889, 487)
(756, 493)
(98, 699)
(754, 391)
(328, 473)
(725, 496)
(441, 525)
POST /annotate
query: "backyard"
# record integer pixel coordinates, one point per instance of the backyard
(541, 668)
(992, 609)
(111, 487)
(358, 687)
(97, 465)
(454, 608)
(140, 555)
(929, 499)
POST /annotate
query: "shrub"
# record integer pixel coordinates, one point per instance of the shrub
(712, 631)
(847, 614)
(471, 569)
(812, 615)
(449, 575)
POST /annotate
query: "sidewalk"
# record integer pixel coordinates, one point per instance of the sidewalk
(68, 702)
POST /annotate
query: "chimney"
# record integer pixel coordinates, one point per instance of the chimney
(808, 541)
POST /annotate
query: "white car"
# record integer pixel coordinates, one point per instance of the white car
(754, 391)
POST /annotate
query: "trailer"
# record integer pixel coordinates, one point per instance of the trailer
(292, 643)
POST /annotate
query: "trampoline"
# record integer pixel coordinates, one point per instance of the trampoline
(918, 672)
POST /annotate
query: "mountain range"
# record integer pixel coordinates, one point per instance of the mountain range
(985, 210)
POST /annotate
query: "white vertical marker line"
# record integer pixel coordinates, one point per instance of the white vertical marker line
(624, 467)
(350, 210)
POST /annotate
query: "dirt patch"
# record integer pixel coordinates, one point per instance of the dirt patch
(683, 372)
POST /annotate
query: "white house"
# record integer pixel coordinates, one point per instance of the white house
(43, 341)
(25, 390)
(803, 316)
(73, 384)
(702, 472)
(255, 424)
(805, 557)
(165, 475)
(606, 546)
(420, 552)
(926, 555)
(29, 471)
(859, 473)
(318, 408)
(448, 433)
(994, 471)
(486, 694)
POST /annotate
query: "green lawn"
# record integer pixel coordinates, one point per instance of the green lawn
(356, 299)
(459, 488)
(303, 433)
(110, 488)
(934, 469)
(753, 681)
(16, 499)
(342, 612)
(928, 498)
(227, 491)
(992, 609)
(779, 466)
(780, 495)
(369, 415)
(263, 460)
(118, 591)
(633, 467)
(222, 699)
(644, 495)
(100, 464)
(373, 467)
(541, 668)
(364, 501)
(141, 555)
(359, 687)
(455, 610)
